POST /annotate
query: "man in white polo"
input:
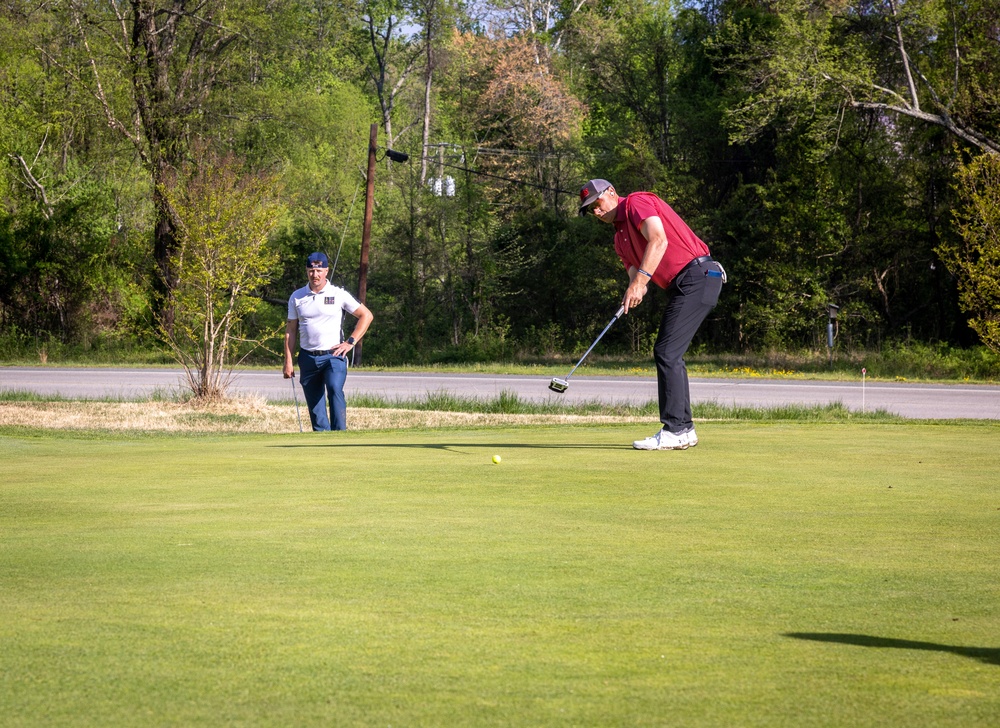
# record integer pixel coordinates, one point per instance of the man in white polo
(316, 313)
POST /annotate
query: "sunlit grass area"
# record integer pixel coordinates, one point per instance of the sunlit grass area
(780, 573)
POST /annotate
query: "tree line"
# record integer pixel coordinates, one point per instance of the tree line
(837, 152)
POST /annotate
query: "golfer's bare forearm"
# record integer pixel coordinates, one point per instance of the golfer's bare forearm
(656, 243)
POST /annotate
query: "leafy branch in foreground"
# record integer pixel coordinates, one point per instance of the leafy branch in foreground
(976, 260)
(224, 217)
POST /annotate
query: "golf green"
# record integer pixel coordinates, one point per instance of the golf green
(777, 574)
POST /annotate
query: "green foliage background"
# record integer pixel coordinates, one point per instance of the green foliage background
(780, 131)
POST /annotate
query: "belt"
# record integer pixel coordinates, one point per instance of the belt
(695, 261)
(318, 352)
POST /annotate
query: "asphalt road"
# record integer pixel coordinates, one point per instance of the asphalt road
(919, 401)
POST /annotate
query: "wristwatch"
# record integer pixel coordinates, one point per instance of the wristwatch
(350, 340)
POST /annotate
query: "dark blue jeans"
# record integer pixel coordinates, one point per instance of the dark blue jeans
(322, 377)
(690, 298)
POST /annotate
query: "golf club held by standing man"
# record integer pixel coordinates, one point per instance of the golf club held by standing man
(561, 385)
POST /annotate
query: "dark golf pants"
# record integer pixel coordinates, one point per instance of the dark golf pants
(322, 377)
(690, 298)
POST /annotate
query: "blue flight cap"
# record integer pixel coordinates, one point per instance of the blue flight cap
(317, 260)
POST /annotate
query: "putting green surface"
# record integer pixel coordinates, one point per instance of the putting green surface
(778, 574)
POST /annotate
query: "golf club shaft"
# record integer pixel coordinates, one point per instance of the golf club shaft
(611, 323)
(295, 395)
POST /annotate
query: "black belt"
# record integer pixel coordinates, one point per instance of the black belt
(695, 261)
(318, 352)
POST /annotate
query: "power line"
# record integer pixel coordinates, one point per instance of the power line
(493, 151)
(518, 182)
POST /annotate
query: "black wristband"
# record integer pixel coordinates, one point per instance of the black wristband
(648, 275)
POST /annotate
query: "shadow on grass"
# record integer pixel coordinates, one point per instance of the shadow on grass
(989, 655)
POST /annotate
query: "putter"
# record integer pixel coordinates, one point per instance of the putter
(295, 395)
(561, 385)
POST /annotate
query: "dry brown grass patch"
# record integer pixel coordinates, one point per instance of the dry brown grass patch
(248, 416)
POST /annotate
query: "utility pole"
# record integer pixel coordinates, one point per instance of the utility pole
(366, 232)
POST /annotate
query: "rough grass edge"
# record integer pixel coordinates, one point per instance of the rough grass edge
(29, 411)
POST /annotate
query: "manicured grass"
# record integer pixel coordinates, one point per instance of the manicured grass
(778, 574)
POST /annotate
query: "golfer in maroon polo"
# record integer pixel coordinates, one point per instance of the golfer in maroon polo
(656, 246)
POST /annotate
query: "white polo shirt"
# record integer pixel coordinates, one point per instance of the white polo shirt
(320, 315)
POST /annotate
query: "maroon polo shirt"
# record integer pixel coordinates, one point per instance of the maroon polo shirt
(683, 245)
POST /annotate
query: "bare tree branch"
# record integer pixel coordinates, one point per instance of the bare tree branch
(915, 100)
(946, 122)
(36, 187)
(98, 90)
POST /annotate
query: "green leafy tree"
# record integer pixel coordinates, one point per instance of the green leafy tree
(816, 200)
(629, 57)
(70, 203)
(924, 61)
(224, 217)
(319, 135)
(386, 56)
(153, 70)
(64, 269)
(976, 258)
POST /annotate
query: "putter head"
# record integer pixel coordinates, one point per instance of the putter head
(558, 385)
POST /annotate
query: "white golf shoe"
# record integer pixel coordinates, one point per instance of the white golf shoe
(664, 440)
(692, 437)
